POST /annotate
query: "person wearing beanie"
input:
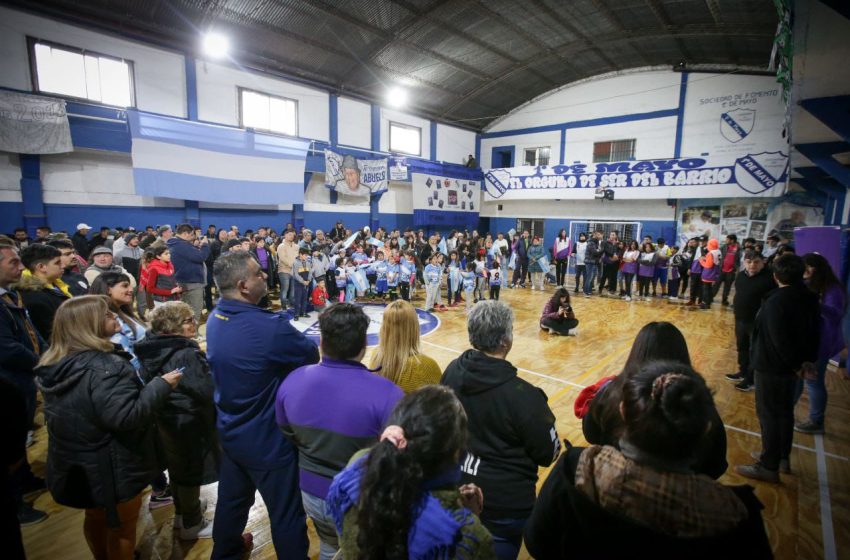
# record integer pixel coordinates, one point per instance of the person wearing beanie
(102, 261)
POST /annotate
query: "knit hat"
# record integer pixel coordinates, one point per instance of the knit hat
(101, 250)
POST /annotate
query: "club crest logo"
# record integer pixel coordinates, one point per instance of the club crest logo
(496, 182)
(757, 173)
(736, 124)
(428, 322)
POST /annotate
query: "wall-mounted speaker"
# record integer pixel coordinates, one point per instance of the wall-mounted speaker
(500, 207)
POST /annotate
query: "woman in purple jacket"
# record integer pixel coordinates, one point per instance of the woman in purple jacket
(558, 317)
(821, 279)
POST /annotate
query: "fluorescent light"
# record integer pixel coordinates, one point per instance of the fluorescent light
(397, 97)
(216, 45)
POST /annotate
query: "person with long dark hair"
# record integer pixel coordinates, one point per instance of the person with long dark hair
(401, 498)
(561, 254)
(558, 316)
(579, 252)
(607, 502)
(821, 279)
(598, 405)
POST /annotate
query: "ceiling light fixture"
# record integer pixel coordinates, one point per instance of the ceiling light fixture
(397, 97)
(216, 45)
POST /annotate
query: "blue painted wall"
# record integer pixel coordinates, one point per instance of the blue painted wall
(11, 216)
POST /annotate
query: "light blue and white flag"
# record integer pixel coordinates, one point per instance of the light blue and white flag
(350, 240)
(175, 158)
(375, 242)
(441, 246)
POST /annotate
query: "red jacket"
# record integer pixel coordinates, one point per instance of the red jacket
(320, 296)
(155, 269)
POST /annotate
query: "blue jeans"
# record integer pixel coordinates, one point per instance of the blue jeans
(507, 536)
(299, 300)
(590, 272)
(285, 290)
(279, 489)
(324, 524)
(817, 392)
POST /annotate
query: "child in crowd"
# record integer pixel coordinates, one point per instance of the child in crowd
(468, 279)
(350, 286)
(406, 275)
(341, 278)
(630, 267)
(392, 275)
(320, 265)
(433, 273)
(379, 268)
(579, 251)
(301, 271)
(673, 277)
(646, 269)
(480, 276)
(453, 286)
(359, 256)
(495, 274)
(696, 272)
(663, 254)
(710, 264)
(161, 283)
(320, 296)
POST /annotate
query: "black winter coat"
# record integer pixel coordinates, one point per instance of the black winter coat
(102, 447)
(18, 357)
(41, 303)
(511, 432)
(787, 331)
(187, 420)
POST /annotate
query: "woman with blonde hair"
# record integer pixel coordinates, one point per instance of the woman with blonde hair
(101, 448)
(398, 355)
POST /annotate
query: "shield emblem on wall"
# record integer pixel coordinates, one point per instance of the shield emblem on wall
(736, 124)
(757, 173)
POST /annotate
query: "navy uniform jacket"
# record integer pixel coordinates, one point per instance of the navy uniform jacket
(251, 351)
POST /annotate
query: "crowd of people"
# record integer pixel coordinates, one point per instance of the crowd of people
(400, 458)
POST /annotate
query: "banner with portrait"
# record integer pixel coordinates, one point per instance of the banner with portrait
(355, 177)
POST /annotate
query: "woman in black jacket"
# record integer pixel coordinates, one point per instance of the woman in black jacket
(604, 502)
(187, 421)
(101, 449)
(603, 424)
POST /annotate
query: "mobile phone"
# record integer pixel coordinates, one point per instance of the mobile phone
(180, 369)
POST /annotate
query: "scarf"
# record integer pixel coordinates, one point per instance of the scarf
(435, 532)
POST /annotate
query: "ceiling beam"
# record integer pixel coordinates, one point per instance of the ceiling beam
(554, 15)
(658, 10)
(615, 20)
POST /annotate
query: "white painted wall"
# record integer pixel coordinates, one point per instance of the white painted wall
(388, 115)
(454, 144)
(581, 209)
(520, 142)
(656, 138)
(354, 123)
(604, 96)
(218, 97)
(397, 200)
(10, 178)
(159, 74)
(94, 178)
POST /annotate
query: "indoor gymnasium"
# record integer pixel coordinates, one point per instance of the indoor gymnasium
(422, 279)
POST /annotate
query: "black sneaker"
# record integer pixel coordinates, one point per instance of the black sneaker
(734, 377)
(745, 386)
(28, 515)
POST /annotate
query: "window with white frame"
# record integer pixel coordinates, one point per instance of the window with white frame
(613, 150)
(262, 111)
(405, 139)
(537, 156)
(81, 74)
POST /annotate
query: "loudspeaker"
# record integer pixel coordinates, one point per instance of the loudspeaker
(500, 207)
(671, 202)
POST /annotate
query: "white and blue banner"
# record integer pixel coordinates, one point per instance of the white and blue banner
(32, 124)
(444, 201)
(188, 160)
(357, 177)
(750, 175)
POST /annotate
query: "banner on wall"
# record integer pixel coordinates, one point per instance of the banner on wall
(32, 124)
(357, 177)
(439, 200)
(746, 218)
(762, 175)
(175, 158)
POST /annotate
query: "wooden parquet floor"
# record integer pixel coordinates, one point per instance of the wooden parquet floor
(807, 516)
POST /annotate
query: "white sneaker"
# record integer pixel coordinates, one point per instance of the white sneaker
(627, 298)
(203, 530)
(178, 518)
(572, 332)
